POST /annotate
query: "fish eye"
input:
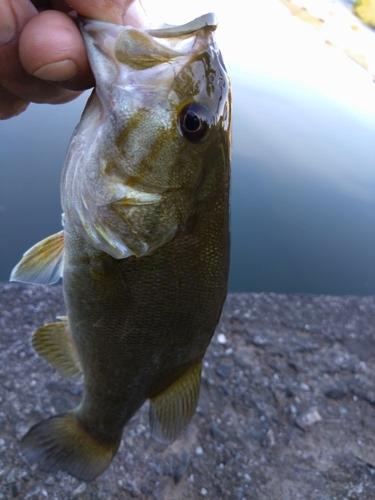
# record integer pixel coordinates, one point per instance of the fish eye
(194, 121)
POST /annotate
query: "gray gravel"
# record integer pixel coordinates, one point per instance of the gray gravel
(287, 406)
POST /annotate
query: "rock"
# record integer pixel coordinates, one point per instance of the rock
(11, 477)
(363, 347)
(260, 339)
(221, 338)
(244, 357)
(224, 370)
(75, 390)
(336, 391)
(308, 418)
(79, 490)
(132, 488)
(271, 437)
(16, 489)
(218, 434)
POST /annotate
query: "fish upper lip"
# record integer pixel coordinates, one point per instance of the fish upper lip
(208, 20)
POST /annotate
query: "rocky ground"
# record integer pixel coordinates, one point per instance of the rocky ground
(287, 406)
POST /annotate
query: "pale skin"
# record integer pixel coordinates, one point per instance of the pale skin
(42, 55)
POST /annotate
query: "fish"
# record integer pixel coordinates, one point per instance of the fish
(144, 250)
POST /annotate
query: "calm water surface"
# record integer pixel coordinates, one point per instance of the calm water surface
(303, 184)
(303, 197)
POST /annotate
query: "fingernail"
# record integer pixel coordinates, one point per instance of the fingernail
(57, 72)
(7, 24)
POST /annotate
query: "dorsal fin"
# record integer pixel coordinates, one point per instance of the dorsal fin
(42, 263)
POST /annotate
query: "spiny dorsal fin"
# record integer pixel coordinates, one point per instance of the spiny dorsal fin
(54, 343)
(173, 408)
(42, 263)
(62, 443)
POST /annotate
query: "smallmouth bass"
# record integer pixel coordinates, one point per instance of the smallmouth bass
(144, 253)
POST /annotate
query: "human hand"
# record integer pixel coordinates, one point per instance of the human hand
(42, 55)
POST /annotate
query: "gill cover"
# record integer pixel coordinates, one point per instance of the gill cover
(124, 188)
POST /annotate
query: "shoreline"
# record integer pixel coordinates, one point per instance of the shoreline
(339, 27)
(286, 409)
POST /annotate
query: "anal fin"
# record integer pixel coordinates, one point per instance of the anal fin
(54, 343)
(42, 263)
(172, 409)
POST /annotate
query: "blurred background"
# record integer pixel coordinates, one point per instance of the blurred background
(303, 183)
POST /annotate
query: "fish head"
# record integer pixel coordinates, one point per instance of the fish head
(154, 139)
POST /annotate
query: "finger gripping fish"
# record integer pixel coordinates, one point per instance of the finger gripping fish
(145, 247)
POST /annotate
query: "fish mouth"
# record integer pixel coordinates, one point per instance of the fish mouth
(208, 21)
(146, 48)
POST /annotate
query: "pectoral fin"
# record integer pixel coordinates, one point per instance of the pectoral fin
(55, 344)
(42, 263)
(173, 408)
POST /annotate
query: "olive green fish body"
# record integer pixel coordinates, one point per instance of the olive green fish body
(160, 314)
(144, 253)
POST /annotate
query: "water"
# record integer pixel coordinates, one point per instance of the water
(303, 197)
(303, 185)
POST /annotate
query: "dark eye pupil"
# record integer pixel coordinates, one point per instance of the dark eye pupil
(194, 121)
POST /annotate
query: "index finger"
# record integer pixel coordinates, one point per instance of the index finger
(52, 49)
(17, 86)
(123, 12)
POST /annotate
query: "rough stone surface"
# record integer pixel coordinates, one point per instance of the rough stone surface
(286, 411)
